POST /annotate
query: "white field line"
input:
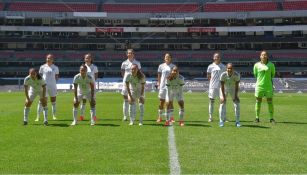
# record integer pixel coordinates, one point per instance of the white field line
(173, 155)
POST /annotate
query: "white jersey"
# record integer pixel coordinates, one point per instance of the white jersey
(164, 69)
(48, 74)
(35, 85)
(135, 84)
(215, 71)
(83, 83)
(126, 66)
(230, 81)
(92, 70)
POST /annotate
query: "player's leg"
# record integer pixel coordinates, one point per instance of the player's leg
(82, 109)
(141, 105)
(132, 108)
(75, 109)
(125, 103)
(236, 105)
(39, 110)
(222, 111)
(26, 109)
(52, 92)
(181, 112)
(43, 100)
(213, 92)
(93, 109)
(170, 110)
(258, 95)
(269, 96)
(161, 110)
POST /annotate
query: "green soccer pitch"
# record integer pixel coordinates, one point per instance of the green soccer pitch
(113, 147)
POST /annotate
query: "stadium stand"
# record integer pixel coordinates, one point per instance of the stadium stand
(52, 7)
(1, 6)
(150, 8)
(240, 7)
(294, 5)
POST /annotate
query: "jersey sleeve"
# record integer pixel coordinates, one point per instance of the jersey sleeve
(209, 69)
(75, 81)
(41, 70)
(57, 70)
(238, 77)
(222, 77)
(26, 81)
(255, 70)
(273, 70)
(95, 69)
(127, 78)
(122, 67)
(139, 65)
(160, 69)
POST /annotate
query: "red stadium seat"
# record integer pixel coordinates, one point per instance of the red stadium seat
(294, 5)
(1, 6)
(240, 7)
(52, 7)
(150, 8)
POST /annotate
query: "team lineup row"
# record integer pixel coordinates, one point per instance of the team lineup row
(223, 79)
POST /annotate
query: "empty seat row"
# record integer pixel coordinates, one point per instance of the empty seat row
(294, 5)
(240, 7)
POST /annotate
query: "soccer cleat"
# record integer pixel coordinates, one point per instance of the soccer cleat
(257, 120)
(181, 123)
(45, 123)
(131, 123)
(25, 123)
(210, 119)
(37, 119)
(54, 118)
(172, 119)
(81, 118)
(167, 123)
(159, 120)
(73, 123)
(140, 124)
(92, 124)
(238, 124)
(124, 118)
(272, 121)
(221, 124)
(95, 118)
(226, 120)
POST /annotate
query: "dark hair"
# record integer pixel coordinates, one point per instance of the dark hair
(38, 76)
(83, 65)
(139, 73)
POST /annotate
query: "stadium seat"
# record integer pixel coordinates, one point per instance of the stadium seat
(294, 5)
(240, 7)
(1, 6)
(150, 8)
(52, 7)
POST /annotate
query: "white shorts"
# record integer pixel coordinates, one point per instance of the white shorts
(85, 96)
(174, 93)
(214, 92)
(32, 95)
(231, 92)
(51, 91)
(162, 93)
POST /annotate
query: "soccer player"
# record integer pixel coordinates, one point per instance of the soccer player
(135, 85)
(84, 88)
(214, 72)
(125, 69)
(174, 86)
(34, 85)
(264, 71)
(50, 73)
(163, 72)
(230, 80)
(92, 70)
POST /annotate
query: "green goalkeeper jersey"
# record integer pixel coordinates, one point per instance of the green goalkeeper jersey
(264, 73)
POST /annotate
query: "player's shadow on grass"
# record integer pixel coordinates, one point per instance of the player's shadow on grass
(59, 125)
(256, 126)
(294, 123)
(187, 124)
(154, 124)
(107, 124)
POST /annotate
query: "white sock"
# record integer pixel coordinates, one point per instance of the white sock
(160, 113)
(237, 111)
(169, 114)
(132, 111)
(26, 113)
(211, 108)
(39, 109)
(181, 114)
(75, 114)
(45, 112)
(222, 112)
(53, 108)
(93, 114)
(141, 112)
(126, 108)
(82, 109)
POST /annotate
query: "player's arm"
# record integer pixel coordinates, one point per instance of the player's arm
(129, 91)
(255, 71)
(159, 79)
(209, 76)
(92, 93)
(57, 74)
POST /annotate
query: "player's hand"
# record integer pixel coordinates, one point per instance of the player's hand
(222, 100)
